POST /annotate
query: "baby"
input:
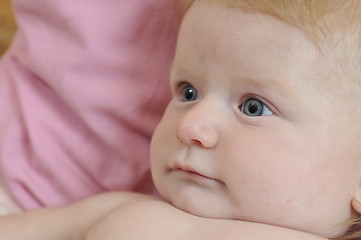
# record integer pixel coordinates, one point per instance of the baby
(264, 126)
(260, 141)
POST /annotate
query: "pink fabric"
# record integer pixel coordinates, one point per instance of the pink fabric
(81, 90)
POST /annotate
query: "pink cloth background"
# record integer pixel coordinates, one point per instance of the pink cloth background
(81, 90)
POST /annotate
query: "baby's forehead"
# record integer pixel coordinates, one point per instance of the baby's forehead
(240, 35)
(300, 25)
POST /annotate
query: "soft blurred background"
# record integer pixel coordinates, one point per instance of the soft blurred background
(7, 25)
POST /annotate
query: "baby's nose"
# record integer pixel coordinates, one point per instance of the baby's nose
(198, 127)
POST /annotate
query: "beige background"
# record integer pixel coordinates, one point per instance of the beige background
(7, 25)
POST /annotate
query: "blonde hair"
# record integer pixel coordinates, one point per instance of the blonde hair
(335, 28)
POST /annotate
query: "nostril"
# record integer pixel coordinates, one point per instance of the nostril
(197, 143)
(208, 138)
(188, 141)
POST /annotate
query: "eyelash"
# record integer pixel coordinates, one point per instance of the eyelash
(193, 95)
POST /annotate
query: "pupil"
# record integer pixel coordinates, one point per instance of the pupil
(189, 94)
(253, 108)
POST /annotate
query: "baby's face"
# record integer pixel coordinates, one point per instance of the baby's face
(253, 132)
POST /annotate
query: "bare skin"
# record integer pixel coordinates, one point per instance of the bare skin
(117, 216)
(71, 222)
(156, 219)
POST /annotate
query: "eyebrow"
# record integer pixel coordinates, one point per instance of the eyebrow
(262, 82)
(176, 67)
(269, 83)
(181, 70)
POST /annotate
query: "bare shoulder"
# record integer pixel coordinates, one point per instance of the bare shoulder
(143, 219)
(155, 219)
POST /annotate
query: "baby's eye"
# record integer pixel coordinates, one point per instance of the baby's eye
(189, 93)
(255, 108)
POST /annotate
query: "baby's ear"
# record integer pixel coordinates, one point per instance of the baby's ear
(356, 204)
(356, 199)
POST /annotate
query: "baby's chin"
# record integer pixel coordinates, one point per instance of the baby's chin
(199, 209)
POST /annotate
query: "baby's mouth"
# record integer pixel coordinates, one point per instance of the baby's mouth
(194, 173)
(191, 172)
